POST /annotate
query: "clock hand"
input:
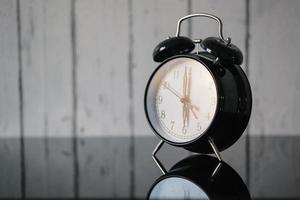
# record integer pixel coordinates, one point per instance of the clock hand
(190, 106)
(184, 117)
(184, 105)
(182, 99)
(171, 89)
(185, 82)
(193, 112)
(189, 84)
(188, 115)
(188, 92)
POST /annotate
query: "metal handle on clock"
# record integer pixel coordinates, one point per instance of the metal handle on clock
(228, 40)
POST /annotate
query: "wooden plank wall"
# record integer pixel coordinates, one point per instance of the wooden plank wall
(47, 97)
(275, 77)
(10, 126)
(103, 100)
(72, 81)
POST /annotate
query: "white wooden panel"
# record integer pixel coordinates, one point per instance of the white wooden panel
(10, 177)
(103, 98)
(46, 61)
(152, 22)
(274, 72)
(233, 15)
(274, 67)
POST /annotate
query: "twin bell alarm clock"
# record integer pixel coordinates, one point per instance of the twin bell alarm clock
(198, 100)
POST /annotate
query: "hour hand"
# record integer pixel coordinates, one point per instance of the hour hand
(185, 116)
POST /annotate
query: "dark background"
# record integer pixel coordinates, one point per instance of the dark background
(72, 79)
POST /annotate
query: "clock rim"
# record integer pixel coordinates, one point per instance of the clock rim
(185, 143)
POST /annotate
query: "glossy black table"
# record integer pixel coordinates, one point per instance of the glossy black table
(199, 177)
(273, 174)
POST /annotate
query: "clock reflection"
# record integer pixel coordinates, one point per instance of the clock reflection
(200, 177)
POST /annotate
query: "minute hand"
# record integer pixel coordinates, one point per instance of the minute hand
(182, 99)
(188, 92)
(189, 84)
(171, 89)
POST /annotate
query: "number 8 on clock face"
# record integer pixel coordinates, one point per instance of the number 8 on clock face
(181, 99)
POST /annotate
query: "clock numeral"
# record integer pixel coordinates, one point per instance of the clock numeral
(162, 114)
(159, 99)
(199, 126)
(176, 74)
(172, 124)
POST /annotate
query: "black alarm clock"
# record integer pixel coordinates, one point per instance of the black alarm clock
(199, 177)
(198, 100)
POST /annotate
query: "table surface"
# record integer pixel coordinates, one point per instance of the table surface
(107, 172)
(198, 177)
(194, 176)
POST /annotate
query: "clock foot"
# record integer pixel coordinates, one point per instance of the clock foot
(215, 172)
(157, 162)
(215, 149)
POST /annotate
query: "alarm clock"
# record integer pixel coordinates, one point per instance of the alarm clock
(198, 100)
(199, 177)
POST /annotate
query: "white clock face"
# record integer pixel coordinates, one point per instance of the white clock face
(183, 99)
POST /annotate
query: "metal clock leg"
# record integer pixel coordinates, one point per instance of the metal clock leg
(157, 162)
(215, 172)
(215, 149)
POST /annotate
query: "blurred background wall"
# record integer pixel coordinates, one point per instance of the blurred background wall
(72, 80)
